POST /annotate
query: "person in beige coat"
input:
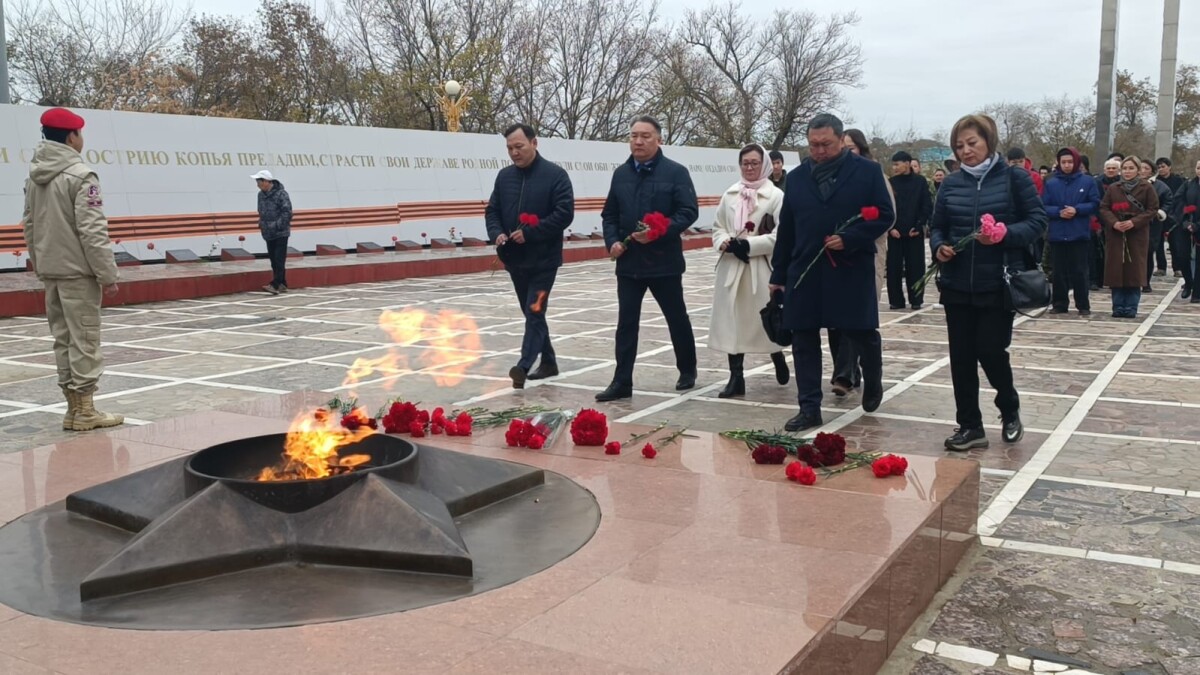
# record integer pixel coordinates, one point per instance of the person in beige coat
(744, 233)
(67, 235)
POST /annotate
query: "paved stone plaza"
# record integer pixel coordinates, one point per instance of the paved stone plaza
(1089, 527)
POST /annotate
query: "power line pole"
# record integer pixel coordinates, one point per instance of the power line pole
(1106, 86)
(1164, 137)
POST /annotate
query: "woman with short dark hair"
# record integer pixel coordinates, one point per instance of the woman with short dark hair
(979, 311)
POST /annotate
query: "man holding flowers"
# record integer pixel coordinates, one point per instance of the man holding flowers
(531, 205)
(835, 206)
(650, 203)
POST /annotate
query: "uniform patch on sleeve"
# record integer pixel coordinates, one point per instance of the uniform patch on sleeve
(93, 196)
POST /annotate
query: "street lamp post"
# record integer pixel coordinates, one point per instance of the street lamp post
(454, 101)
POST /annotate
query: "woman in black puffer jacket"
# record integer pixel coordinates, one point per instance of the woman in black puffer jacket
(979, 313)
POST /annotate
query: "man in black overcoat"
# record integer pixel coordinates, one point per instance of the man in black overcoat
(828, 189)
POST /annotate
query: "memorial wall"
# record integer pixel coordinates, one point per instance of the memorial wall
(180, 182)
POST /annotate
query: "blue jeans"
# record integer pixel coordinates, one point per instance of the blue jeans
(1125, 301)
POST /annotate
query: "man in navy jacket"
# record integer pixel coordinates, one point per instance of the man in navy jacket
(1071, 198)
(532, 253)
(648, 182)
(828, 189)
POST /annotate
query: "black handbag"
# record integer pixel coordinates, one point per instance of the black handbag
(1028, 289)
(772, 320)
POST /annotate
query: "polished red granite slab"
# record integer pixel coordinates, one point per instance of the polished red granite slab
(703, 563)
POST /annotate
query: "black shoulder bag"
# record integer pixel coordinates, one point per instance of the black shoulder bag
(1028, 290)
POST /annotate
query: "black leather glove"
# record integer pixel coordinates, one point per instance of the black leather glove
(740, 248)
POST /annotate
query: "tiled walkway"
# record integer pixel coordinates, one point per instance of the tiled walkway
(1090, 525)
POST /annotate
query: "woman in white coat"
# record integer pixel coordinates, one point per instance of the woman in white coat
(744, 233)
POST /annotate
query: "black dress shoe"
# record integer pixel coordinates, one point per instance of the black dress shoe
(917, 306)
(544, 370)
(1147, 289)
(1013, 430)
(615, 392)
(803, 421)
(518, 375)
(896, 307)
(967, 439)
(1085, 312)
(686, 381)
(1058, 310)
(872, 393)
(1187, 293)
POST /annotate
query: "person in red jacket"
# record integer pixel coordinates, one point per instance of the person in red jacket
(1017, 158)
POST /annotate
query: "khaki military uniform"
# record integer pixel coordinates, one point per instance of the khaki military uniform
(67, 236)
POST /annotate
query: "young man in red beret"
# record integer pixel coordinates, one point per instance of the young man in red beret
(67, 236)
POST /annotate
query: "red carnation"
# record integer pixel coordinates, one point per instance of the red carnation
(612, 448)
(528, 220)
(464, 419)
(590, 428)
(424, 234)
(830, 443)
(749, 226)
(399, 417)
(1120, 206)
(241, 237)
(417, 430)
(1189, 209)
(395, 239)
(452, 429)
(150, 246)
(649, 452)
(656, 225)
(801, 473)
(437, 429)
(769, 454)
(537, 442)
(1095, 225)
(870, 213)
(357, 418)
(889, 465)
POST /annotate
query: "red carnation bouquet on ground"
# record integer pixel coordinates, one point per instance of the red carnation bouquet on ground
(889, 465)
(866, 213)
(590, 427)
(654, 224)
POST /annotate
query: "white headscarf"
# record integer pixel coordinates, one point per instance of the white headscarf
(749, 189)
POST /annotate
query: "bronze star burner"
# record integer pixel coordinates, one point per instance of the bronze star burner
(199, 542)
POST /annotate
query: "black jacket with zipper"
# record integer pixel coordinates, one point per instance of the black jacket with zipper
(542, 189)
(1009, 195)
(666, 187)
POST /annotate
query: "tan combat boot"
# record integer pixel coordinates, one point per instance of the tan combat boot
(88, 418)
(72, 404)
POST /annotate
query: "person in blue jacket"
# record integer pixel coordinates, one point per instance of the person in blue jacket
(1071, 199)
(830, 188)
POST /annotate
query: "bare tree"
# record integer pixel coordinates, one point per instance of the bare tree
(79, 52)
(816, 59)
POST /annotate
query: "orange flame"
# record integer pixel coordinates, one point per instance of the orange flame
(312, 445)
(539, 304)
(449, 343)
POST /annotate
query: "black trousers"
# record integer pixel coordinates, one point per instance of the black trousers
(1161, 248)
(668, 293)
(1181, 254)
(806, 350)
(277, 254)
(1097, 259)
(533, 292)
(845, 359)
(905, 267)
(1071, 261)
(1155, 249)
(979, 337)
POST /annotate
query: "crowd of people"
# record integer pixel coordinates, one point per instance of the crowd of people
(812, 247)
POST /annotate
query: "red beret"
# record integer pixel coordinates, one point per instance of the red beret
(61, 118)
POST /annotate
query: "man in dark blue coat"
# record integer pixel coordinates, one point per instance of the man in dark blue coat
(532, 254)
(647, 183)
(1071, 199)
(828, 189)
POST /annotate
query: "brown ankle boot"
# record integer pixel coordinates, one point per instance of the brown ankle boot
(88, 418)
(72, 404)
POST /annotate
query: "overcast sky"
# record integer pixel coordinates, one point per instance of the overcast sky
(927, 62)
